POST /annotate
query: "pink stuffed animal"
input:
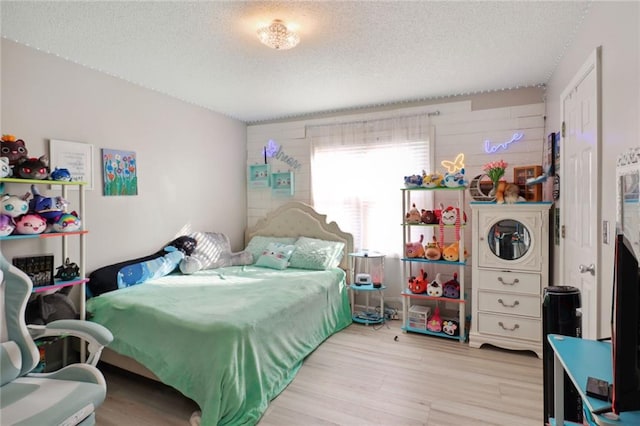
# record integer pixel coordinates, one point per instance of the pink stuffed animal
(30, 223)
(414, 250)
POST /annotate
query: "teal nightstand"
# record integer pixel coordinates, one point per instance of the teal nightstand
(368, 316)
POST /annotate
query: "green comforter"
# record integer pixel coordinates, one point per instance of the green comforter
(232, 338)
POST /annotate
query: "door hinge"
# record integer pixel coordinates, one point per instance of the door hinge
(563, 130)
(562, 231)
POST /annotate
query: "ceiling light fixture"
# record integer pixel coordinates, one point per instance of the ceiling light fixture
(277, 36)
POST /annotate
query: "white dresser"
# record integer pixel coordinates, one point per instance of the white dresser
(510, 259)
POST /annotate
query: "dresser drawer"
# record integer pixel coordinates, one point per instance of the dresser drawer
(510, 326)
(517, 282)
(509, 303)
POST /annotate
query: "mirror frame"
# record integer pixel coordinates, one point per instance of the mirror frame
(491, 238)
(628, 166)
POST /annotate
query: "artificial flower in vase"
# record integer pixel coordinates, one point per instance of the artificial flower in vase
(495, 170)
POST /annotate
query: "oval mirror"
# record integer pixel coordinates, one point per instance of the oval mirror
(509, 239)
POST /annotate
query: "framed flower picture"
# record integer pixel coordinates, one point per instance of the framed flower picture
(120, 172)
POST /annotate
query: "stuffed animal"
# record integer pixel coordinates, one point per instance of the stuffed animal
(48, 207)
(435, 287)
(433, 180)
(451, 252)
(61, 175)
(451, 216)
(32, 168)
(454, 180)
(5, 167)
(6, 225)
(435, 322)
(413, 215)
(451, 288)
(429, 217)
(413, 181)
(213, 250)
(66, 222)
(138, 273)
(418, 285)
(432, 250)
(507, 193)
(67, 271)
(30, 224)
(414, 250)
(13, 149)
(14, 206)
(450, 327)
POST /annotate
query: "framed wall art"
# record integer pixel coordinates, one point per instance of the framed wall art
(282, 183)
(77, 157)
(258, 175)
(120, 172)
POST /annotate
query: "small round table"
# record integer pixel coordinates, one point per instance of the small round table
(367, 316)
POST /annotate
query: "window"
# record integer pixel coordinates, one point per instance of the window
(357, 170)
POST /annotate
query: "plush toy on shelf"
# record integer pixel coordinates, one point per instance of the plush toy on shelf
(454, 180)
(451, 252)
(450, 327)
(451, 288)
(432, 250)
(6, 225)
(32, 168)
(14, 149)
(435, 287)
(48, 207)
(30, 224)
(435, 322)
(67, 271)
(418, 285)
(5, 167)
(413, 215)
(66, 222)
(413, 181)
(433, 180)
(14, 206)
(451, 216)
(415, 249)
(430, 217)
(63, 175)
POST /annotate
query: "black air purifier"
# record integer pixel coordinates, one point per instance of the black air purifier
(560, 315)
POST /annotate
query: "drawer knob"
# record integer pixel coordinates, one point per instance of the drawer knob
(515, 327)
(514, 282)
(513, 305)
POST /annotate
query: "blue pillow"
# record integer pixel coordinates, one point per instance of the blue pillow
(150, 269)
(276, 256)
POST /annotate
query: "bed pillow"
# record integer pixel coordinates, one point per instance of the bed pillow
(312, 253)
(213, 250)
(259, 243)
(276, 256)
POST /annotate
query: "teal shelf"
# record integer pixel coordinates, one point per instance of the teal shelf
(440, 188)
(43, 235)
(461, 338)
(41, 181)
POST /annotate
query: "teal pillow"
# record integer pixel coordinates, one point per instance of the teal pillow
(259, 243)
(312, 253)
(276, 256)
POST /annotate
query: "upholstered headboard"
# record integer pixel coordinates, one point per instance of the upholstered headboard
(296, 219)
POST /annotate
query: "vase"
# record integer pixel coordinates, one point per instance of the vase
(492, 192)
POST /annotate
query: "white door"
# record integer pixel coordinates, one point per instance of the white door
(580, 169)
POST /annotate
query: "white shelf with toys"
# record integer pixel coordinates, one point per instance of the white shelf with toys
(425, 297)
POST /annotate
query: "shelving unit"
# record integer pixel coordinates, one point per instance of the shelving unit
(412, 265)
(80, 208)
(520, 176)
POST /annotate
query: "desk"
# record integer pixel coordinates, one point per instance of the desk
(582, 358)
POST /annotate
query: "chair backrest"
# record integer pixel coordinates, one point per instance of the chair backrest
(15, 290)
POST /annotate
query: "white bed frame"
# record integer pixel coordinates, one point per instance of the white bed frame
(293, 219)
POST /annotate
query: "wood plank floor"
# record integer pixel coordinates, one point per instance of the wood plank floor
(364, 376)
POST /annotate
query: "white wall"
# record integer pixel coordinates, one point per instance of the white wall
(615, 27)
(463, 124)
(190, 160)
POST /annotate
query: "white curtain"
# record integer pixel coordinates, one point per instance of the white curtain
(357, 171)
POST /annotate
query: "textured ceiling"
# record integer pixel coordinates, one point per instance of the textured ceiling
(352, 54)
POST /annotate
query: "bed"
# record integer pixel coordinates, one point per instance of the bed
(231, 338)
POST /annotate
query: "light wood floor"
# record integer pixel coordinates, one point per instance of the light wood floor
(364, 376)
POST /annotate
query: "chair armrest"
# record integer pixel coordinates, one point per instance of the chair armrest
(96, 335)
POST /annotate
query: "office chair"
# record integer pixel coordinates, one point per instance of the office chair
(68, 396)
